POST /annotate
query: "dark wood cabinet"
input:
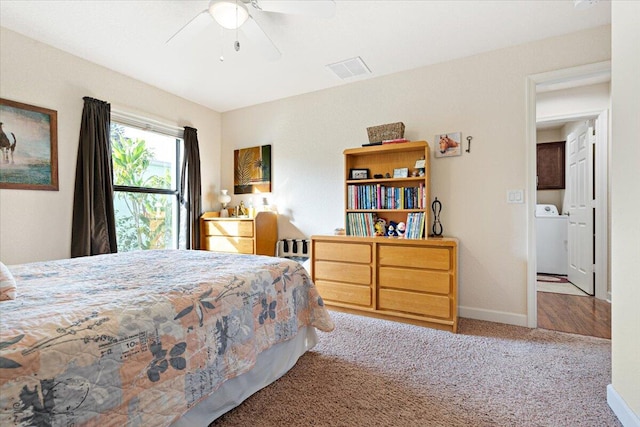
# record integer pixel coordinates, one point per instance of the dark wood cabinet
(550, 165)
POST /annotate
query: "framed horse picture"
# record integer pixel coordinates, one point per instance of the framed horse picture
(448, 144)
(28, 147)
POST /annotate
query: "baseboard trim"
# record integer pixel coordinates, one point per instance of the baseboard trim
(493, 316)
(621, 409)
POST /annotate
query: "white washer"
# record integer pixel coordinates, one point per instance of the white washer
(551, 240)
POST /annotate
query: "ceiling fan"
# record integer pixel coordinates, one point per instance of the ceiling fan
(237, 15)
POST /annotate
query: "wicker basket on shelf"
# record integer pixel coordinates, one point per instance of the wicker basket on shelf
(386, 132)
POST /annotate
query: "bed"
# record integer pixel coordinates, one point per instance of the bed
(150, 338)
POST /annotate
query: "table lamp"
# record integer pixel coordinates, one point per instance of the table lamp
(224, 198)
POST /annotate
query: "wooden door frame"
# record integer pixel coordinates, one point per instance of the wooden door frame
(532, 82)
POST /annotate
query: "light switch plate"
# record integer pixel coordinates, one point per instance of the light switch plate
(515, 196)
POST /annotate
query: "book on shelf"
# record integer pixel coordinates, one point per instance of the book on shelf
(361, 224)
(415, 225)
(380, 196)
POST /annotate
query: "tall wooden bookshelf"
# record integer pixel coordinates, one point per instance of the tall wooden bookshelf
(408, 280)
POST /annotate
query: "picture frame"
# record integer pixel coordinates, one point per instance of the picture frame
(401, 172)
(252, 170)
(448, 144)
(358, 173)
(28, 147)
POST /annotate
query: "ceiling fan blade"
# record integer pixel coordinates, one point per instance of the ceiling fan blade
(191, 28)
(319, 8)
(260, 39)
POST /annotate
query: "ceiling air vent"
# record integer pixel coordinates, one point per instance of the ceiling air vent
(350, 68)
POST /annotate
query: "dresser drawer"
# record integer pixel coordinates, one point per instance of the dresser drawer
(241, 245)
(415, 280)
(345, 252)
(414, 303)
(228, 228)
(344, 293)
(414, 256)
(341, 272)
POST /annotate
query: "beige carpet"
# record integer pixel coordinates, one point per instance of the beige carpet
(371, 372)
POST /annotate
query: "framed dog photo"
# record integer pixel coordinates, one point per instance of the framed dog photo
(448, 144)
(358, 173)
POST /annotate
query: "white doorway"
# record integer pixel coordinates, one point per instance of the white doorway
(579, 76)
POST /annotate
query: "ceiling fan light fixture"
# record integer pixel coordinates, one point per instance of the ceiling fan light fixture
(228, 13)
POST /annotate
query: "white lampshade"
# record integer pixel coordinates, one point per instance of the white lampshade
(228, 13)
(224, 198)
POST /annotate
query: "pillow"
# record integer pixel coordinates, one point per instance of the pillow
(7, 284)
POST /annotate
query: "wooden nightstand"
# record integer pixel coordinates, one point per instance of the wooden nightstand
(256, 236)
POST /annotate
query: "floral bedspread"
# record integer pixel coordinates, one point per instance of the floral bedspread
(138, 338)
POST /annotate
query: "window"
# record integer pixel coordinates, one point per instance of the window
(146, 178)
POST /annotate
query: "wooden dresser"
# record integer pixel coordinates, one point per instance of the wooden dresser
(257, 235)
(413, 281)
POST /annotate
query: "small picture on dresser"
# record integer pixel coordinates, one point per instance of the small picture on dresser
(252, 170)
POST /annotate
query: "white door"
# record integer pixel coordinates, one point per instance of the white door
(579, 187)
(601, 183)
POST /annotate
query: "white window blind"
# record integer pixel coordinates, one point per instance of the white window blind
(144, 123)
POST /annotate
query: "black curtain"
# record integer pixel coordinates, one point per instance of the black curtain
(190, 191)
(93, 228)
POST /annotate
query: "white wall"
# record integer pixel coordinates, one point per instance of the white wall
(625, 205)
(482, 96)
(36, 225)
(548, 135)
(577, 100)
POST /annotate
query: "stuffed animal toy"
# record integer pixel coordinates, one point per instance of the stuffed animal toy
(391, 229)
(400, 229)
(380, 227)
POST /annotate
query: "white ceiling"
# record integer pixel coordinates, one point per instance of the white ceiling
(390, 36)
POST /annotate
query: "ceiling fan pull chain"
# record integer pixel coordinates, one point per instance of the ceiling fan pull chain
(221, 44)
(236, 45)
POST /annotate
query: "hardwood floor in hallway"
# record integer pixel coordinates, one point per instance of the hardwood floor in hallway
(583, 315)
